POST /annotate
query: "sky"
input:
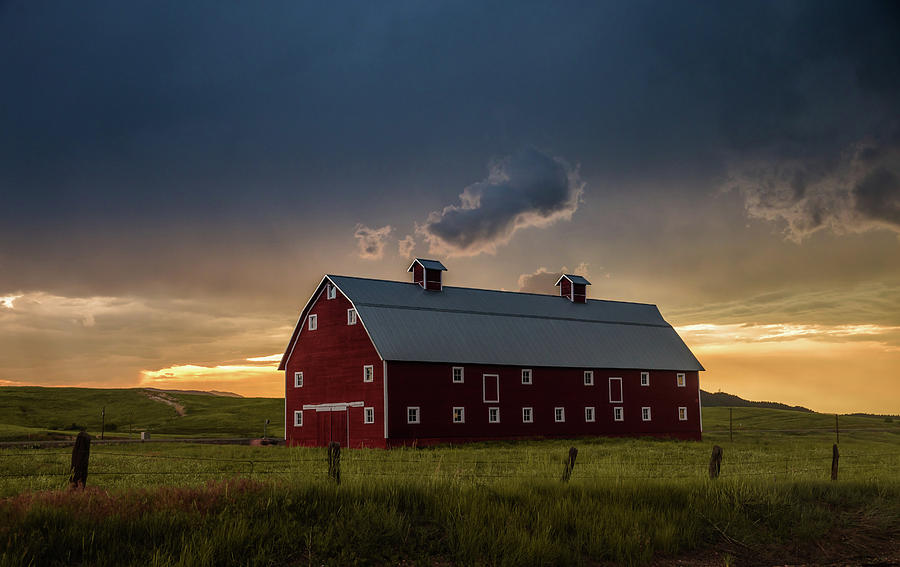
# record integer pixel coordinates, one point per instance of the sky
(175, 178)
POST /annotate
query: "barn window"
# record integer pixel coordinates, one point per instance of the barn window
(368, 373)
(493, 415)
(330, 292)
(682, 414)
(313, 322)
(645, 378)
(458, 375)
(589, 414)
(618, 414)
(559, 414)
(679, 378)
(298, 419)
(459, 415)
(527, 415)
(615, 390)
(412, 414)
(351, 316)
(588, 377)
(526, 376)
(298, 379)
(645, 414)
(368, 415)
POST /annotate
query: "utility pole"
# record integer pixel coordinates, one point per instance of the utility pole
(102, 421)
(265, 429)
(837, 431)
(730, 428)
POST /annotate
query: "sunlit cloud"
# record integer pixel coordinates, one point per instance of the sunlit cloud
(728, 334)
(269, 358)
(8, 300)
(261, 380)
(371, 241)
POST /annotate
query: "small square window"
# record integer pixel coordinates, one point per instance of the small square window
(331, 293)
(645, 414)
(682, 414)
(645, 378)
(351, 316)
(368, 415)
(679, 378)
(559, 415)
(412, 415)
(368, 373)
(298, 419)
(493, 415)
(298, 379)
(527, 415)
(589, 414)
(588, 377)
(313, 322)
(526, 376)
(459, 415)
(458, 375)
(618, 414)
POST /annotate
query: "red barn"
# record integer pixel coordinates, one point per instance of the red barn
(375, 363)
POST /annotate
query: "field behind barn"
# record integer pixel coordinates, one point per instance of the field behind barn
(629, 501)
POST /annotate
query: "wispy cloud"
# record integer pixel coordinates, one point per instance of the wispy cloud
(528, 189)
(543, 280)
(406, 246)
(371, 241)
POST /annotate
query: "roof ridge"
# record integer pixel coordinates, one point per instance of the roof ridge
(490, 290)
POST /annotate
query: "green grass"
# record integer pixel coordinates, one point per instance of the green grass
(35, 413)
(630, 501)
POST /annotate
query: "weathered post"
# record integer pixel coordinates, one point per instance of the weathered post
(570, 464)
(834, 461)
(102, 421)
(837, 431)
(266, 429)
(334, 461)
(715, 462)
(80, 454)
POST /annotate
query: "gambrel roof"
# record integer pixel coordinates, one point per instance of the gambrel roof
(477, 326)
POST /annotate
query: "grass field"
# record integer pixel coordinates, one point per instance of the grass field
(630, 501)
(35, 413)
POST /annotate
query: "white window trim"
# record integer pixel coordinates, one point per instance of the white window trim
(369, 415)
(490, 412)
(462, 415)
(331, 291)
(621, 390)
(645, 378)
(527, 372)
(680, 380)
(313, 322)
(418, 414)
(682, 410)
(530, 415)
(484, 399)
(588, 377)
(298, 379)
(462, 375)
(646, 414)
(351, 316)
(618, 413)
(298, 418)
(559, 414)
(590, 414)
(368, 373)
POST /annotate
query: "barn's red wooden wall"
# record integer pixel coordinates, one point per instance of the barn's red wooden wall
(430, 386)
(565, 288)
(332, 359)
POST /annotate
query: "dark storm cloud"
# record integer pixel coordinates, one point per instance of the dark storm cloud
(858, 192)
(527, 189)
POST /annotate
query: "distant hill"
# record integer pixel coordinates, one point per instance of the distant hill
(723, 399)
(33, 412)
(198, 392)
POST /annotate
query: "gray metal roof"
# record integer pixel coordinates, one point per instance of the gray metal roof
(476, 326)
(574, 279)
(428, 264)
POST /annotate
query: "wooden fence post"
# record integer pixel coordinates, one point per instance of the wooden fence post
(80, 453)
(837, 430)
(715, 462)
(834, 461)
(570, 464)
(334, 461)
(730, 426)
